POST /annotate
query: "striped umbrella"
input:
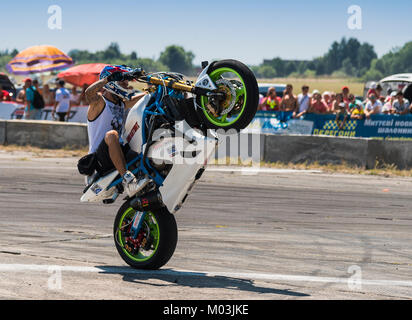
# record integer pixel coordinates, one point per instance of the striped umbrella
(38, 59)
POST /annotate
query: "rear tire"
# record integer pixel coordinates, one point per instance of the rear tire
(167, 233)
(250, 106)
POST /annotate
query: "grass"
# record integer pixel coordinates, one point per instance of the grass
(321, 83)
(36, 152)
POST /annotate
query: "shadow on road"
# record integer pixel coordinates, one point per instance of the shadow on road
(193, 280)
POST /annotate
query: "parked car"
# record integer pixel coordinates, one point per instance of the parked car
(396, 82)
(7, 85)
(263, 88)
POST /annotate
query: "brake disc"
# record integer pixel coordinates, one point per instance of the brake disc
(226, 87)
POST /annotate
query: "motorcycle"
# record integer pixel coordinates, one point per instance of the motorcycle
(172, 133)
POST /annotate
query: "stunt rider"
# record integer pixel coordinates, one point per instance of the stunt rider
(105, 118)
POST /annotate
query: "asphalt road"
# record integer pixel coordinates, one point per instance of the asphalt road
(274, 235)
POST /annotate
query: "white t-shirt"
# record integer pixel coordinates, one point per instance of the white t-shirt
(369, 106)
(63, 99)
(303, 101)
(111, 118)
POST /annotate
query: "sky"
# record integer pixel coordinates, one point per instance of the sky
(249, 31)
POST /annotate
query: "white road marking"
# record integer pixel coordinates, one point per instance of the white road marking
(251, 170)
(38, 168)
(191, 273)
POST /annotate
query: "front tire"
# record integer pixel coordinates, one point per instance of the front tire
(247, 96)
(162, 227)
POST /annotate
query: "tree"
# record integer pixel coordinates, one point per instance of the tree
(266, 71)
(177, 59)
(372, 75)
(112, 52)
(348, 68)
(133, 55)
(365, 55)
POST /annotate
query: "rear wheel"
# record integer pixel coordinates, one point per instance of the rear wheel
(240, 89)
(155, 243)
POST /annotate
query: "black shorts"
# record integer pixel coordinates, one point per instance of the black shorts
(62, 116)
(104, 163)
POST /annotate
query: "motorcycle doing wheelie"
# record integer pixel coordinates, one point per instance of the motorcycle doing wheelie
(172, 133)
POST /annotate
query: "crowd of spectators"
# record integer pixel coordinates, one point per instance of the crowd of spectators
(343, 104)
(60, 100)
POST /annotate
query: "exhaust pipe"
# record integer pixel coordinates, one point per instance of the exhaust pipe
(150, 201)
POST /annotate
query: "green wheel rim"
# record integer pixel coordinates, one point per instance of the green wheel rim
(222, 122)
(154, 230)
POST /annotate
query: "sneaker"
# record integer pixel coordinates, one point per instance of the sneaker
(131, 185)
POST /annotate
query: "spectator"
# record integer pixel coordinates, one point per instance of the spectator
(341, 111)
(317, 105)
(74, 97)
(372, 89)
(303, 102)
(378, 90)
(387, 107)
(48, 96)
(336, 102)
(345, 94)
(36, 85)
(382, 99)
(373, 106)
(62, 102)
(21, 96)
(289, 100)
(327, 98)
(401, 105)
(31, 113)
(356, 110)
(271, 102)
(352, 103)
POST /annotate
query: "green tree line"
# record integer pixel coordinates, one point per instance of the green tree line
(346, 58)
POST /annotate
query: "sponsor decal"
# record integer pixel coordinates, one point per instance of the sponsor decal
(96, 188)
(145, 202)
(172, 151)
(332, 128)
(132, 132)
(137, 219)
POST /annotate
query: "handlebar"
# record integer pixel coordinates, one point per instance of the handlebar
(139, 75)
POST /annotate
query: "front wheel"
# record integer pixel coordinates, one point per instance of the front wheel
(241, 93)
(155, 243)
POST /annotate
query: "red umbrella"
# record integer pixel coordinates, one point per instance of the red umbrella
(82, 74)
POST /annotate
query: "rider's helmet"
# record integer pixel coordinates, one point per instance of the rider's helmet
(114, 87)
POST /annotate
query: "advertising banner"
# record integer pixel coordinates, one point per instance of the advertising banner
(378, 126)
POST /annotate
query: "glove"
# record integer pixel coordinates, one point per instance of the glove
(132, 75)
(116, 76)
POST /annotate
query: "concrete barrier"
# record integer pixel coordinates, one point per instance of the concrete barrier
(2, 132)
(321, 149)
(362, 152)
(389, 152)
(45, 134)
